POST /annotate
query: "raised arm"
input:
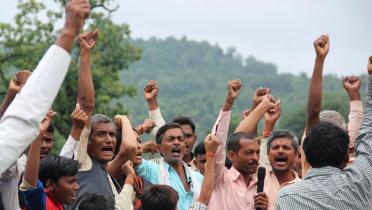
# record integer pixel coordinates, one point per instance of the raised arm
(221, 126)
(127, 148)
(150, 92)
(352, 87)
(33, 102)
(211, 144)
(15, 86)
(314, 102)
(270, 117)
(86, 94)
(249, 124)
(145, 127)
(33, 158)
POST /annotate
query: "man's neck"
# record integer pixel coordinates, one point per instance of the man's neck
(284, 176)
(187, 157)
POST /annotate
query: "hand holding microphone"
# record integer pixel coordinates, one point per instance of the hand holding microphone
(261, 201)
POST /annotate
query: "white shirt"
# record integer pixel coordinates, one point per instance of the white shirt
(20, 124)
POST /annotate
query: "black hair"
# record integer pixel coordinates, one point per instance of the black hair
(50, 128)
(159, 197)
(183, 120)
(281, 133)
(163, 129)
(94, 201)
(234, 141)
(199, 149)
(54, 167)
(326, 145)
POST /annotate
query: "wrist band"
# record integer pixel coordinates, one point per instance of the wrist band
(129, 180)
(266, 134)
(210, 154)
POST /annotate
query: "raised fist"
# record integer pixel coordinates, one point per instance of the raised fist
(151, 89)
(79, 117)
(128, 169)
(370, 65)
(148, 125)
(258, 94)
(269, 103)
(272, 115)
(321, 45)
(150, 147)
(22, 76)
(233, 89)
(211, 143)
(46, 121)
(88, 40)
(76, 12)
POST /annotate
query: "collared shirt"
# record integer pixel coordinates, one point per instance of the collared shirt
(230, 189)
(20, 124)
(332, 188)
(273, 186)
(150, 171)
(198, 206)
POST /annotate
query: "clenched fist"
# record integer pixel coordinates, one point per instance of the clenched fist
(370, 65)
(88, 40)
(321, 46)
(151, 89)
(352, 86)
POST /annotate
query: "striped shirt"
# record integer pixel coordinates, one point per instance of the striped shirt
(332, 188)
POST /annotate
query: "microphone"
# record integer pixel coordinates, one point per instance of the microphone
(261, 173)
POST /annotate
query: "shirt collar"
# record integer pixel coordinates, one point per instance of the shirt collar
(323, 171)
(296, 177)
(235, 174)
(169, 168)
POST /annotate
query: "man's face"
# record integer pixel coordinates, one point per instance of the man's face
(247, 158)
(138, 158)
(173, 145)
(46, 146)
(200, 161)
(189, 137)
(65, 189)
(102, 141)
(282, 154)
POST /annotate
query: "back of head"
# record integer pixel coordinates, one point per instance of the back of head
(199, 149)
(163, 129)
(159, 197)
(326, 145)
(54, 167)
(333, 117)
(182, 120)
(93, 201)
(234, 141)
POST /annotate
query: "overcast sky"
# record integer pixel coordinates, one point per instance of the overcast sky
(275, 31)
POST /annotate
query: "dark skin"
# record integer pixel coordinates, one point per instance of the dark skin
(314, 103)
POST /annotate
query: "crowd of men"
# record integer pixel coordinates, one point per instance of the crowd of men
(101, 165)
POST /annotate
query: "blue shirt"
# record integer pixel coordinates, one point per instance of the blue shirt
(150, 171)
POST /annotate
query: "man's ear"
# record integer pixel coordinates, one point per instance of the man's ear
(231, 156)
(50, 184)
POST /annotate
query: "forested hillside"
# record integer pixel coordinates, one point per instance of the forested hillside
(192, 77)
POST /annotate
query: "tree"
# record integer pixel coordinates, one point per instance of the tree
(23, 43)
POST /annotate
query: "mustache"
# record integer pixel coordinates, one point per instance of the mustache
(253, 162)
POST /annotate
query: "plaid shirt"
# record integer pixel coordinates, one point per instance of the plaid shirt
(332, 188)
(198, 206)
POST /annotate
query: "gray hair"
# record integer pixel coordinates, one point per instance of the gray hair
(99, 118)
(281, 133)
(333, 117)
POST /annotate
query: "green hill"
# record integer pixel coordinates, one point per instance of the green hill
(192, 78)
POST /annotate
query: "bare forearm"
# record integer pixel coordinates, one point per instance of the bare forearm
(66, 40)
(33, 161)
(315, 94)
(152, 104)
(249, 124)
(227, 105)
(208, 181)
(86, 96)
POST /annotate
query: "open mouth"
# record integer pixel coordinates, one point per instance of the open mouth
(139, 155)
(74, 196)
(176, 151)
(107, 149)
(281, 159)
